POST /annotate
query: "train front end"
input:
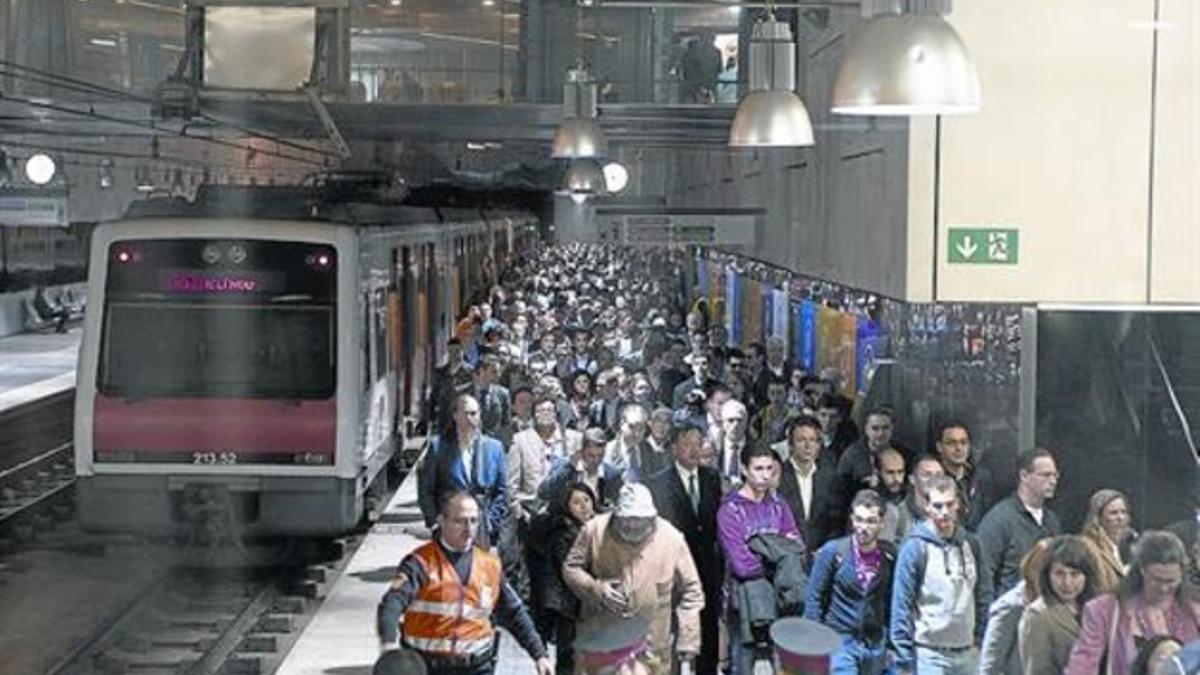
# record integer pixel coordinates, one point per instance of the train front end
(213, 389)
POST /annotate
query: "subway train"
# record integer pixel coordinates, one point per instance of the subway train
(259, 373)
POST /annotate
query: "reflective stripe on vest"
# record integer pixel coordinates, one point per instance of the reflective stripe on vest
(446, 616)
(448, 646)
(449, 609)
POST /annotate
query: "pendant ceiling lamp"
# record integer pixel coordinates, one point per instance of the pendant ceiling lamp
(906, 59)
(584, 178)
(771, 114)
(579, 134)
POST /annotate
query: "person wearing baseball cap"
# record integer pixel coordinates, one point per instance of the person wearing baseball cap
(633, 565)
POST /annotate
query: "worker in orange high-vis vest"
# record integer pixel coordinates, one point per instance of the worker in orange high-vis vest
(448, 595)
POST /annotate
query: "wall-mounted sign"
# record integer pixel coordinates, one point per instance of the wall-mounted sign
(33, 211)
(679, 228)
(983, 246)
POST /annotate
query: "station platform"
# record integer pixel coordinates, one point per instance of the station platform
(341, 637)
(34, 366)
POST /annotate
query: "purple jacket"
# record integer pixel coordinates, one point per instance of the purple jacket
(1096, 627)
(740, 518)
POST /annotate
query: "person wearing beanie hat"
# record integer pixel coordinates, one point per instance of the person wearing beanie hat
(632, 564)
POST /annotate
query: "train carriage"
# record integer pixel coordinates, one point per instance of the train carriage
(263, 371)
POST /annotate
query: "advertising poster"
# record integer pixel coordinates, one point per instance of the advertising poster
(733, 305)
(752, 312)
(866, 353)
(768, 311)
(779, 318)
(716, 292)
(847, 352)
(828, 338)
(804, 345)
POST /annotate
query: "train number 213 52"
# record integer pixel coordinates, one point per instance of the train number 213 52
(211, 458)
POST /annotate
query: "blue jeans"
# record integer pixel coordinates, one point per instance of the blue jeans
(947, 662)
(855, 657)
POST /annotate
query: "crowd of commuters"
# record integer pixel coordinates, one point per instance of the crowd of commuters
(638, 478)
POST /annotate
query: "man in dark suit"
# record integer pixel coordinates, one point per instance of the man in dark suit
(687, 495)
(631, 451)
(449, 382)
(494, 400)
(806, 483)
(469, 461)
(700, 379)
(673, 372)
(586, 466)
(858, 467)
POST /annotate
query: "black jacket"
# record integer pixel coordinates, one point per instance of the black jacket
(559, 536)
(820, 524)
(699, 529)
(785, 561)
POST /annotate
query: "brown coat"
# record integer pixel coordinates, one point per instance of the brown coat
(659, 577)
(1046, 635)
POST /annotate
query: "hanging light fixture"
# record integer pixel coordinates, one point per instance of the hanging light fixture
(906, 59)
(771, 115)
(579, 134)
(584, 178)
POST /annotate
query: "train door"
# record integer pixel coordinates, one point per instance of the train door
(376, 368)
(405, 272)
(432, 327)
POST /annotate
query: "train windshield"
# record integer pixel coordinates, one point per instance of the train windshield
(197, 318)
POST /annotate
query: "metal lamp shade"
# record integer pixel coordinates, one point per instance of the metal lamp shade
(771, 117)
(583, 178)
(579, 137)
(906, 64)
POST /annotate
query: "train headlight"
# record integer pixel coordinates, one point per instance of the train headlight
(322, 259)
(211, 254)
(237, 254)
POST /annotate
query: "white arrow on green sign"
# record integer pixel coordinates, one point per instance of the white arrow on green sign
(983, 246)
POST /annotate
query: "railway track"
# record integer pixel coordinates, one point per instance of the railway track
(228, 608)
(195, 622)
(36, 467)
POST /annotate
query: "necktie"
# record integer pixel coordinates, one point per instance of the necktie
(732, 469)
(693, 493)
(635, 469)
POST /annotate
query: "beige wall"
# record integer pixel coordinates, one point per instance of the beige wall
(1061, 151)
(1175, 246)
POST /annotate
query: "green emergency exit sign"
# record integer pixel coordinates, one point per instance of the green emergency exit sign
(983, 246)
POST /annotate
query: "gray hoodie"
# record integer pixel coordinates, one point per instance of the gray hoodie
(941, 593)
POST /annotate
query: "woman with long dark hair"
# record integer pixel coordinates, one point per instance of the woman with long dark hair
(580, 390)
(1153, 599)
(575, 506)
(1050, 624)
